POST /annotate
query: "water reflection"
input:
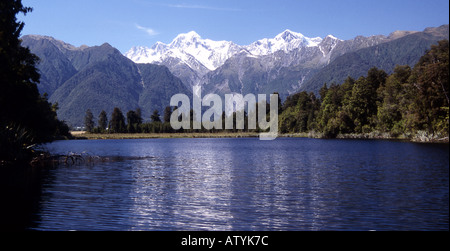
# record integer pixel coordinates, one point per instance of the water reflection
(247, 184)
(188, 191)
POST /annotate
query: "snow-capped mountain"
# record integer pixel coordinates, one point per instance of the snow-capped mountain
(285, 62)
(213, 54)
(187, 47)
(189, 52)
(285, 41)
(101, 78)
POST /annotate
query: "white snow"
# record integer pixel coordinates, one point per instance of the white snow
(285, 41)
(334, 38)
(211, 54)
(190, 47)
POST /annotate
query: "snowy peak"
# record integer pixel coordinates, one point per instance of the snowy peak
(185, 39)
(285, 41)
(298, 39)
(288, 36)
(190, 47)
(211, 54)
(332, 38)
(158, 46)
(190, 35)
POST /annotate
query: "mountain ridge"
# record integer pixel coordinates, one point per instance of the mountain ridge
(287, 41)
(193, 59)
(189, 50)
(385, 56)
(289, 73)
(101, 77)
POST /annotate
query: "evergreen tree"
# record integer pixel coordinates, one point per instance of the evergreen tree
(167, 114)
(280, 105)
(139, 115)
(134, 121)
(430, 85)
(155, 116)
(329, 109)
(299, 113)
(166, 126)
(403, 103)
(89, 121)
(103, 121)
(393, 102)
(362, 104)
(26, 118)
(323, 92)
(117, 123)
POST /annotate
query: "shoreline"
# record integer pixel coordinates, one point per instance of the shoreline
(99, 136)
(41, 157)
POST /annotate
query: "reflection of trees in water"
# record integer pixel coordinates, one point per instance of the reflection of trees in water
(74, 159)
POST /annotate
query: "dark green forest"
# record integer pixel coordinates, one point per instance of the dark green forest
(410, 103)
(26, 117)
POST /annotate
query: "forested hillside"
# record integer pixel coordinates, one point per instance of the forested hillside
(99, 78)
(409, 103)
(405, 50)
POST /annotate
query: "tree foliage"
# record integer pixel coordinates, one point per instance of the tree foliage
(155, 116)
(134, 120)
(430, 84)
(117, 123)
(167, 114)
(401, 104)
(89, 121)
(102, 121)
(26, 117)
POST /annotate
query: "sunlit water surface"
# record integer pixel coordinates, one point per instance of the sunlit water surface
(247, 184)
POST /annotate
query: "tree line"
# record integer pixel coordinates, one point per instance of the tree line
(133, 122)
(408, 102)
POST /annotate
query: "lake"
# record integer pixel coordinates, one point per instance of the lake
(246, 184)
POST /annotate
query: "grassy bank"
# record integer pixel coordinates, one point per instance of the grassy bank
(371, 136)
(419, 137)
(91, 136)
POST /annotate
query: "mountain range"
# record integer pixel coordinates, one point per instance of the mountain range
(288, 63)
(190, 57)
(101, 78)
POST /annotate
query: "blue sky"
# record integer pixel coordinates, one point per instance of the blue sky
(125, 24)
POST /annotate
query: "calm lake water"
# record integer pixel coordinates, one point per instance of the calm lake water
(247, 184)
